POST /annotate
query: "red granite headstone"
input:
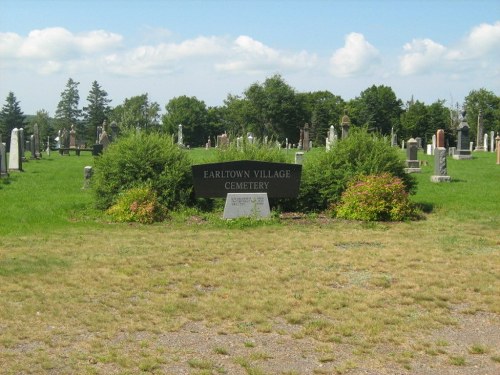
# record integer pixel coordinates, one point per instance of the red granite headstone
(440, 138)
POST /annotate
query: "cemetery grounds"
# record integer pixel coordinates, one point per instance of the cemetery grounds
(301, 294)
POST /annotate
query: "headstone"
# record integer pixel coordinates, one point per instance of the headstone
(255, 205)
(180, 137)
(451, 151)
(15, 162)
(209, 143)
(412, 163)
(98, 134)
(36, 133)
(22, 144)
(434, 143)
(114, 130)
(250, 138)
(471, 146)
(3, 160)
(345, 124)
(32, 146)
(104, 140)
(87, 174)
(47, 150)
(58, 139)
(305, 140)
(485, 141)
(223, 140)
(429, 149)
(72, 137)
(463, 150)
(440, 138)
(299, 157)
(440, 169)
(497, 139)
(65, 142)
(492, 141)
(402, 144)
(239, 142)
(419, 143)
(394, 138)
(480, 133)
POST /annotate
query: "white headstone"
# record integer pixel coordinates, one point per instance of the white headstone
(15, 163)
(471, 146)
(485, 141)
(429, 149)
(492, 141)
(299, 157)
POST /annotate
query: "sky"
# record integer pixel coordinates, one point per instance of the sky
(431, 50)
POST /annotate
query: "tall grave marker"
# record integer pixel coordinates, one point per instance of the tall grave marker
(480, 133)
(440, 169)
(15, 161)
(463, 142)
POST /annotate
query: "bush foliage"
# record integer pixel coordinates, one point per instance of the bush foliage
(376, 198)
(139, 159)
(251, 151)
(325, 175)
(138, 204)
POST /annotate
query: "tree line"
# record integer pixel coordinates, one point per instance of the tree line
(272, 108)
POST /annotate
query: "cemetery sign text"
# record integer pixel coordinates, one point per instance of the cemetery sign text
(216, 180)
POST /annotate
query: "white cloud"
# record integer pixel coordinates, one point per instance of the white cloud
(162, 58)
(483, 39)
(48, 50)
(247, 55)
(357, 57)
(421, 56)
(481, 47)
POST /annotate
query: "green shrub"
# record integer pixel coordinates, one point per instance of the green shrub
(325, 175)
(138, 204)
(376, 198)
(139, 159)
(251, 151)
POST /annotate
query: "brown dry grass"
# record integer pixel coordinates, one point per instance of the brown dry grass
(316, 298)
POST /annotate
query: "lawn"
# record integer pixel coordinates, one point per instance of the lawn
(297, 295)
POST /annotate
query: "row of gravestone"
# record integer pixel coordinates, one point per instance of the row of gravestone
(17, 148)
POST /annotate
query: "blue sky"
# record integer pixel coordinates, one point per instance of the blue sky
(209, 49)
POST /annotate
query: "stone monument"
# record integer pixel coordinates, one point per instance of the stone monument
(345, 124)
(104, 139)
(480, 133)
(15, 162)
(492, 141)
(72, 137)
(305, 140)
(180, 138)
(497, 140)
(440, 170)
(412, 163)
(463, 143)
(22, 143)
(3, 160)
(36, 133)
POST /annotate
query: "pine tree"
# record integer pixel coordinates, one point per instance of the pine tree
(11, 117)
(97, 110)
(67, 112)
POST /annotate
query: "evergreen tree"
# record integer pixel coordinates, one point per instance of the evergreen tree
(97, 110)
(11, 117)
(67, 112)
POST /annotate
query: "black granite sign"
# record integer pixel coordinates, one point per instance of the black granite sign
(216, 180)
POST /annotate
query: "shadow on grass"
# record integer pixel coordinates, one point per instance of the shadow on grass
(425, 207)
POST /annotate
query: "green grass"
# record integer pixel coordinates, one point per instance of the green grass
(81, 295)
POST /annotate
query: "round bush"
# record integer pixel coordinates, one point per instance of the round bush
(143, 159)
(137, 205)
(325, 175)
(376, 198)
